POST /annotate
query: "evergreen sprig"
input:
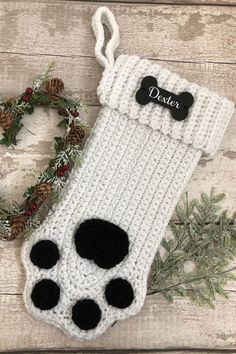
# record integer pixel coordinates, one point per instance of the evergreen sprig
(195, 261)
(41, 79)
(6, 211)
(46, 93)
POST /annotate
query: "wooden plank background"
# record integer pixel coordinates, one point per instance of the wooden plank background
(196, 38)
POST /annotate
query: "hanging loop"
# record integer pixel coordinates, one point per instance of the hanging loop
(104, 17)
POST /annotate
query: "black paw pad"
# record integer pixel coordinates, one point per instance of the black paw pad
(119, 293)
(45, 294)
(101, 241)
(86, 314)
(44, 254)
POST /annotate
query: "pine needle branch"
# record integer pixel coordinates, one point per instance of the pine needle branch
(198, 256)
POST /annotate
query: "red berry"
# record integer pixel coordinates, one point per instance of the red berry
(60, 173)
(28, 213)
(33, 206)
(75, 114)
(29, 91)
(26, 98)
(65, 168)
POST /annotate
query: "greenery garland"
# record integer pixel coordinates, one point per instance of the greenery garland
(196, 261)
(16, 220)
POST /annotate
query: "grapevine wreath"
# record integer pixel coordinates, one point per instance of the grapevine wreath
(46, 91)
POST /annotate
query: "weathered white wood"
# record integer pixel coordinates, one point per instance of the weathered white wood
(34, 33)
(155, 351)
(81, 75)
(189, 33)
(175, 2)
(18, 171)
(152, 351)
(19, 167)
(12, 277)
(158, 325)
(29, 150)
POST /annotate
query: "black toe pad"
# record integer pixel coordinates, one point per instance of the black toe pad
(119, 293)
(86, 314)
(45, 294)
(44, 254)
(101, 241)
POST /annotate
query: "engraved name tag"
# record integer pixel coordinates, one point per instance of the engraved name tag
(178, 104)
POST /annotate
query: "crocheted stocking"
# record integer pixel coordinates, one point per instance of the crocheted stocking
(87, 265)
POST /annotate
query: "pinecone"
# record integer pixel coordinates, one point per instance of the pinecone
(6, 119)
(42, 191)
(55, 86)
(76, 135)
(54, 97)
(18, 224)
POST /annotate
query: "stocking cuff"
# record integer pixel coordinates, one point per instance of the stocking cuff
(207, 118)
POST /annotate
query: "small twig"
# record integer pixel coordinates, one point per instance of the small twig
(204, 277)
(29, 130)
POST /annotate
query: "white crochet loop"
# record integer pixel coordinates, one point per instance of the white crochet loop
(104, 16)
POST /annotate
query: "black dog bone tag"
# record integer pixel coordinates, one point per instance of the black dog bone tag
(178, 104)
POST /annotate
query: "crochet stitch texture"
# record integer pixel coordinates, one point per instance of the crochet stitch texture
(117, 205)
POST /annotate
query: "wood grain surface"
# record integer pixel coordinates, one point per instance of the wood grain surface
(158, 325)
(174, 2)
(164, 32)
(196, 38)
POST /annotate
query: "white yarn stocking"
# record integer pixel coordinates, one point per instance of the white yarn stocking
(87, 265)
